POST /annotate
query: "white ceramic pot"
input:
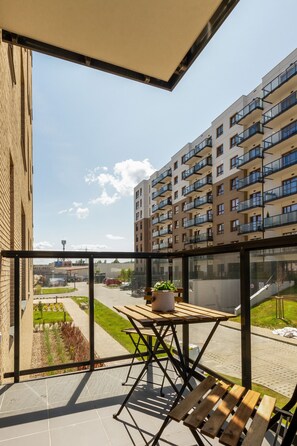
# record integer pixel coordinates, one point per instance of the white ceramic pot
(163, 301)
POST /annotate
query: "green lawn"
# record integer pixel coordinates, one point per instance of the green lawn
(57, 290)
(264, 315)
(49, 317)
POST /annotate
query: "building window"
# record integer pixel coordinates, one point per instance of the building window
(220, 209)
(140, 191)
(220, 228)
(220, 189)
(141, 202)
(184, 237)
(175, 166)
(233, 183)
(176, 209)
(137, 194)
(176, 224)
(234, 204)
(176, 180)
(140, 214)
(220, 170)
(233, 162)
(137, 204)
(176, 239)
(176, 194)
(184, 221)
(140, 226)
(290, 208)
(234, 225)
(136, 227)
(184, 206)
(220, 150)
(233, 141)
(220, 130)
(233, 120)
(137, 215)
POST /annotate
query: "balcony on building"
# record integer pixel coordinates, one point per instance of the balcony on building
(247, 228)
(155, 234)
(286, 190)
(162, 205)
(198, 186)
(282, 140)
(155, 247)
(252, 203)
(283, 84)
(250, 113)
(167, 244)
(199, 220)
(162, 177)
(199, 203)
(162, 217)
(199, 168)
(199, 238)
(250, 159)
(289, 218)
(248, 181)
(282, 112)
(163, 191)
(285, 162)
(201, 149)
(164, 232)
(250, 136)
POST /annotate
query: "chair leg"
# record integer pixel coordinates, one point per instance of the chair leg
(137, 350)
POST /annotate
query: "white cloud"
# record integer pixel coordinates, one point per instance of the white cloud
(89, 247)
(126, 175)
(42, 246)
(80, 212)
(114, 237)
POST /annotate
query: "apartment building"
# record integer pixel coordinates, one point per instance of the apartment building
(236, 182)
(16, 223)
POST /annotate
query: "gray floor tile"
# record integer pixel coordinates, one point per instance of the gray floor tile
(22, 423)
(60, 415)
(40, 439)
(87, 433)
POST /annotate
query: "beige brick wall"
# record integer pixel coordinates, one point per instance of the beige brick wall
(15, 195)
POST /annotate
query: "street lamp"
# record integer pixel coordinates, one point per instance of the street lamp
(63, 244)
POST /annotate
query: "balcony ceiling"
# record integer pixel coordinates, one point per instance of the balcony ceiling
(152, 41)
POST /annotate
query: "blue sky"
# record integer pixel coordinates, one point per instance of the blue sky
(95, 136)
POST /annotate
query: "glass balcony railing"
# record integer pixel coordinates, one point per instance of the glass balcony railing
(280, 192)
(155, 234)
(162, 190)
(254, 226)
(162, 204)
(280, 108)
(155, 247)
(280, 80)
(200, 238)
(165, 245)
(281, 163)
(255, 177)
(197, 149)
(248, 133)
(167, 216)
(250, 156)
(253, 105)
(198, 202)
(198, 185)
(280, 220)
(282, 135)
(165, 231)
(251, 203)
(198, 220)
(161, 177)
(195, 169)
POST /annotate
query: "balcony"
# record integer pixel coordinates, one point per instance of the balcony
(280, 164)
(162, 205)
(280, 192)
(161, 218)
(250, 159)
(282, 140)
(282, 84)
(199, 220)
(198, 203)
(200, 238)
(250, 180)
(275, 221)
(155, 247)
(160, 179)
(250, 136)
(198, 168)
(165, 231)
(163, 191)
(202, 148)
(250, 113)
(155, 234)
(198, 186)
(167, 244)
(247, 228)
(252, 203)
(283, 112)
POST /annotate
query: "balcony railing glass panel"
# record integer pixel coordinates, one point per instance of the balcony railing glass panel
(197, 149)
(282, 163)
(206, 162)
(254, 177)
(198, 185)
(280, 108)
(254, 226)
(250, 156)
(280, 220)
(162, 190)
(251, 203)
(281, 79)
(280, 192)
(198, 220)
(200, 238)
(166, 173)
(248, 133)
(282, 135)
(198, 202)
(253, 105)
(162, 204)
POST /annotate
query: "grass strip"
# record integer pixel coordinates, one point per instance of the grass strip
(57, 290)
(50, 317)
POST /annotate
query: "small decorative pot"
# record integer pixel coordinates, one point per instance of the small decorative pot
(163, 301)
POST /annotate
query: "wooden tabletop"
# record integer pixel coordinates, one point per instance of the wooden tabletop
(184, 314)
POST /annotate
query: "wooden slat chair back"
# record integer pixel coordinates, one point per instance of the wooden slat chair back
(230, 412)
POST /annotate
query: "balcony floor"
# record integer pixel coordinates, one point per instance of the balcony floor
(78, 410)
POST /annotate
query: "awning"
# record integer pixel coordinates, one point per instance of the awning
(152, 41)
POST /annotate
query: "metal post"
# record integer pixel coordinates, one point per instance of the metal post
(91, 313)
(185, 285)
(246, 360)
(148, 273)
(16, 319)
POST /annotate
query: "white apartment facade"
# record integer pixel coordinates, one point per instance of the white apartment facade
(236, 182)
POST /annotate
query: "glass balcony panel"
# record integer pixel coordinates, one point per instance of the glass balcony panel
(198, 202)
(280, 79)
(248, 133)
(280, 192)
(254, 226)
(198, 185)
(280, 220)
(248, 109)
(197, 149)
(254, 177)
(200, 238)
(282, 163)
(250, 156)
(160, 178)
(162, 204)
(280, 108)
(162, 190)
(198, 220)
(251, 203)
(282, 135)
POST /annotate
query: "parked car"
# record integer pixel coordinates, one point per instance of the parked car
(109, 282)
(125, 286)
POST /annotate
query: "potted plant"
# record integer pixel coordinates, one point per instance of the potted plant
(163, 296)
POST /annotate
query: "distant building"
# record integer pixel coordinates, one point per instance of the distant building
(16, 222)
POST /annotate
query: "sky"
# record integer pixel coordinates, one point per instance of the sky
(96, 135)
